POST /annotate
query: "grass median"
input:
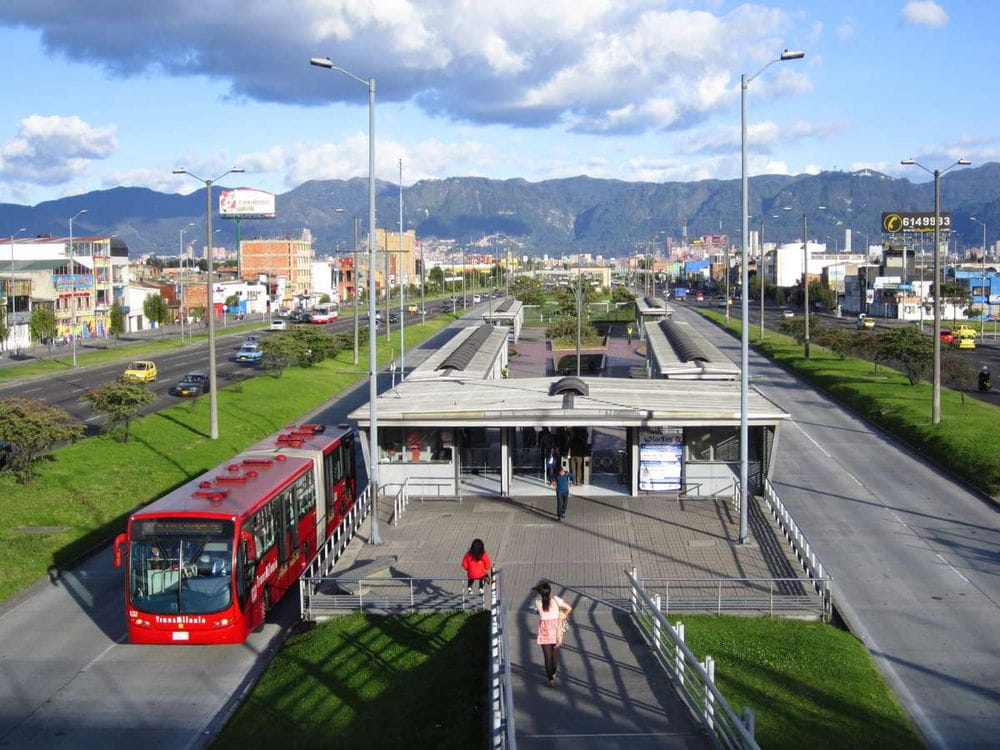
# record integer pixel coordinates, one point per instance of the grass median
(375, 682)
(83, 492)
(809, 684)
(962, 442)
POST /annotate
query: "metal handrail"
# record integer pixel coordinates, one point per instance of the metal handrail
(331, 550)
(801, 546)
(693, 681)
(401, 500)
(724, 603)
(504, 736)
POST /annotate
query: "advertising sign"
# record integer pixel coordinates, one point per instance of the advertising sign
(914, 221)
(661, 457)
(246, 203)
(68, 282)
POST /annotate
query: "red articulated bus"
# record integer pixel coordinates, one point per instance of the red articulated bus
(206, 562)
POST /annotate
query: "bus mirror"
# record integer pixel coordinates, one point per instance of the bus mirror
(119, 541)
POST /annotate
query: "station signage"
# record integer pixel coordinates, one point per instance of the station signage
(894, 222)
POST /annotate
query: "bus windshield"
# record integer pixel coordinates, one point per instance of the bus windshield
(181, 565)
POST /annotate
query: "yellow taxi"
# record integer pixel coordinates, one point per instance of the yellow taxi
(864, 322)
(140, 371)
(965, 337)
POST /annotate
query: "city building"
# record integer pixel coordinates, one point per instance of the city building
(290, 258)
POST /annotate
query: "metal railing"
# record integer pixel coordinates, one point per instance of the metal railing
(331, 595)
(400, 501)
(801, 547)
(693, 681)
(737, 595)
(331, 550)
(503, 735)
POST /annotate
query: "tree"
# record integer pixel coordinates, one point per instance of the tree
(197, 314)
(528, 290)
(621, 294)
(117, 325)
(822, 294)
(955, 294)
(279, 352)
(909, 348)
(29, 429)
(436, 277)
(324, 299)
(957, 374)
(119, 401)
(794, 327)
(232, 302)
(838, 340)
(866, 345)
(42, 325)
(155, 262)
(154, 307)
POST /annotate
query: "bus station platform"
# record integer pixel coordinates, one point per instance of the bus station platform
(609, 692)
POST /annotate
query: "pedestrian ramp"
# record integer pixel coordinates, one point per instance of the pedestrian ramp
(609, 692)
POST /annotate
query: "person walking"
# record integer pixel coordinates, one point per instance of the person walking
(553, 620)
(553, 462)
(477, 565)
(628, 333)
(561, 482)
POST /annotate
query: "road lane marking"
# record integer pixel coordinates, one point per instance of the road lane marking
(120, 639)
(809, 437)
(938, 556)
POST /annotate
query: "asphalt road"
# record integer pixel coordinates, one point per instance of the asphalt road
(915, 555)
(987, 351)
(65, 389)
(70, 680)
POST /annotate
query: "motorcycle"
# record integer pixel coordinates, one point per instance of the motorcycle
(985, 381)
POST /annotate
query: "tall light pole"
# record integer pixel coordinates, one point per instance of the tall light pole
(357, 290)
(72, 268)
(325, 62)
(986, 296)
(180, 275)
(579, 311)
(399, 268)
(213, 398)
(745, 298)
(805, 278)
(936, 391)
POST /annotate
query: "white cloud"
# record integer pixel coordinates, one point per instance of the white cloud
(761, 136)
(49, 150)
(593, 65)
(924, 13)
(847, 29)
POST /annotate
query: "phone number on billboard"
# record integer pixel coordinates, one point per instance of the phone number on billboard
(913, 222)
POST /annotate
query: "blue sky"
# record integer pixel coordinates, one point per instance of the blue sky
(113, 92)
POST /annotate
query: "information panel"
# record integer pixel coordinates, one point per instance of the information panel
(661, 458)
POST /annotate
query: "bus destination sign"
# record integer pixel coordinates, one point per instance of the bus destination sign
(914, 221)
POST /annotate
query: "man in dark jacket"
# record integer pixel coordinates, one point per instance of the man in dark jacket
(562, 482)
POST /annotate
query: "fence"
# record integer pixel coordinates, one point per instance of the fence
(331, 550)
(784, 596)
(503, 736)
(400, 501)
(800, 545)
(693, 681)
(328, 596)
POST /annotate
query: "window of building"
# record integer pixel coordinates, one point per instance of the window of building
(412, 445)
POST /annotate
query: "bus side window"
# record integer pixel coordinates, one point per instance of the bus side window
(244, 574)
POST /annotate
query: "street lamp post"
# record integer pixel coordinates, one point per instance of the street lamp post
(744, 301)
(402, 285)
(180, 275)
(760, 272)
(936, 394)
(10, 290)
(213, 399)
(357, 290)
(325, 62)
(986, 296)
(72, 268)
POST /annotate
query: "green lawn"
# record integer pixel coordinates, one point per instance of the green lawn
(963, 442)
(417, 681)
(809, 684)
(83, 492)
(86, 357)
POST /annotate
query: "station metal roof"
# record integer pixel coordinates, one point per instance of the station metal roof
(653, 306)
(523, 402)
(681, 352)
(506, 310)
(471, 353)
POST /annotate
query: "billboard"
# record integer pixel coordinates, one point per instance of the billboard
(246, 203)
(661, 457)
(914, 221)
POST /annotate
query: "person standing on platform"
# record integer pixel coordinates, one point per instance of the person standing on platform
(628, 333)
(477, 565)
(562, 482)
(577, 450)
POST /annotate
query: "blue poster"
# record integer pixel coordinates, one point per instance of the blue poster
(660, 466)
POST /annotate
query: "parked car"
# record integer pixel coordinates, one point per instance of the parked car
(786, 313)
(394, 317)
(140, 371)
(249, 354)
(277, 324)
(192, 384)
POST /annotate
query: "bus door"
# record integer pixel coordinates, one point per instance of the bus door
(288, 538)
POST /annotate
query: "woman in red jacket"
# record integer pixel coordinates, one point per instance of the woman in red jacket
(477, 564)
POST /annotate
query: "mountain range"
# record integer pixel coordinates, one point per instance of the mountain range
(611, 217)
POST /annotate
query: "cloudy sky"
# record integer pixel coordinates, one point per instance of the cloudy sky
(117, 92)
